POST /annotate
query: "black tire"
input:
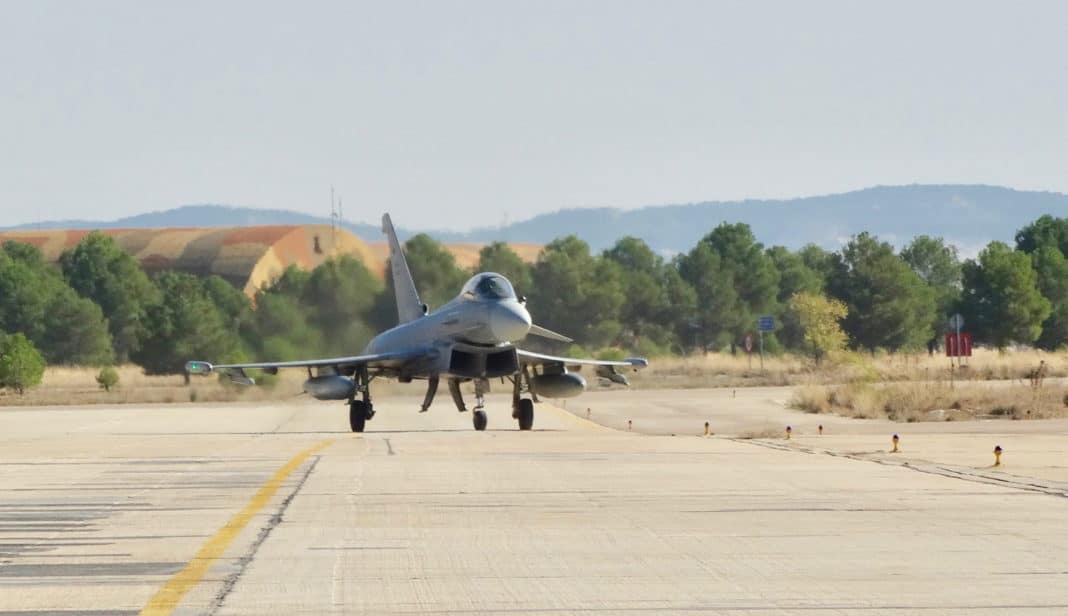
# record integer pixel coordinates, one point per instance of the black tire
(357, 415)
(525, 414)
(480, 420)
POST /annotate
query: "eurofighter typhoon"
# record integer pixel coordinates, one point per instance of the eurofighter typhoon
(470, 339)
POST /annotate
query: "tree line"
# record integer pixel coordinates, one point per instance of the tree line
(99, 308)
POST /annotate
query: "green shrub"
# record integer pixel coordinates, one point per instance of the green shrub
(610, 354)
(107, 378)
(21, 366)
(267, 381)
(648, 348)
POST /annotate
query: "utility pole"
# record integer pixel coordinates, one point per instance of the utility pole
(761, 351)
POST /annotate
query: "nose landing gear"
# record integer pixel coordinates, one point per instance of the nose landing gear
(478, 418)
(522, 408)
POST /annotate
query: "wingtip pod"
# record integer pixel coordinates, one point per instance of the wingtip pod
(199, 367)
(637, 362)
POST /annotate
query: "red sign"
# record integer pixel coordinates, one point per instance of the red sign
(959, 347)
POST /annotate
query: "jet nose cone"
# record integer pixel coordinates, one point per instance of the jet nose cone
(509, 321)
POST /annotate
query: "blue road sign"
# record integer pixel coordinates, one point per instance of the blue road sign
(767, 324)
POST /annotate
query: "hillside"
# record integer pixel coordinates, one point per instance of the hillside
(203, 216)
(967, 215)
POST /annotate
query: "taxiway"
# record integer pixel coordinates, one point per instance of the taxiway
(278, 509)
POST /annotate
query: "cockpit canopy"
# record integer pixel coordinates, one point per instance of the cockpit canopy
(488, 286)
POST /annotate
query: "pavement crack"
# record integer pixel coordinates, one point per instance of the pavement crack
(921, 467)
(242, 563)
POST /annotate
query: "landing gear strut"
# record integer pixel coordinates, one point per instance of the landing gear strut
(522, 408)
(457, 397)
(479, 418)
(431, 389)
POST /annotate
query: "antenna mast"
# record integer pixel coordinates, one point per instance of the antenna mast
(333, 220)
(340, 220)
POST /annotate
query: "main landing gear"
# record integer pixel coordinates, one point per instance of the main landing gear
(522, 408)
(360, 411)
(524, 413)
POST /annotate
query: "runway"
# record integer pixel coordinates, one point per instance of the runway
(170, 509)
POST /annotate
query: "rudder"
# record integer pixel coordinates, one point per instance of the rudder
(409, 308)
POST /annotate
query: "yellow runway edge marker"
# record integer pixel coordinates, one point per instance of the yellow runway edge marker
(170, 595)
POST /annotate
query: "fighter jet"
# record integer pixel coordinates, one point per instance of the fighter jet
(470, 339)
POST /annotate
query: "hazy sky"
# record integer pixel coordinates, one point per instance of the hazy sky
(464, 113)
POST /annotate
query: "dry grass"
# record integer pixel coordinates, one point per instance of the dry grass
(812, 399)
(985, 365)
(719, 370)
(69, 386)
(930, 401)
(78, 386)
(724, 370)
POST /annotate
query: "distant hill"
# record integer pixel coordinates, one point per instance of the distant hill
(203, 216)
(967, 215)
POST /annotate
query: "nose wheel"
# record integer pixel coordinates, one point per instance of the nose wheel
(478, 418)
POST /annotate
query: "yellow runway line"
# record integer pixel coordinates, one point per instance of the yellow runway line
(170, 595)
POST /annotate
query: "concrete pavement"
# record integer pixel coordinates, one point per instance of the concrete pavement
(102, 508)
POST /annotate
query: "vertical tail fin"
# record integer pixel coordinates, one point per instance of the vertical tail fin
(409, 308)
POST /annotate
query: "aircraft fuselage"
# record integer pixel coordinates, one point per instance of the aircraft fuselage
(471, 338)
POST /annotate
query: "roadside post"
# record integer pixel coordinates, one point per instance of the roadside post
(956, 323)
(749, 349)
(958, 344)
(767, 324)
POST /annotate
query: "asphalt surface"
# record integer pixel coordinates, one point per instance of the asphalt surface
(278, 509)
